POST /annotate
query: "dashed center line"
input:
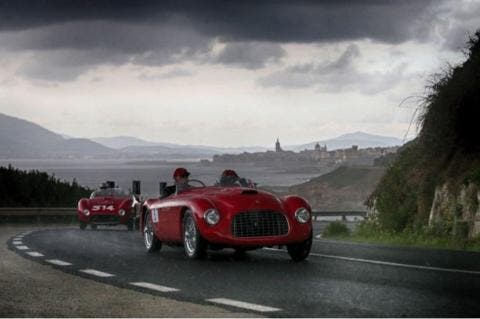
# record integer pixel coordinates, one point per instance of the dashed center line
(58, 262)
(23, 247)
(244, 305)
(97, 273)
(154, 287)
(35, 254)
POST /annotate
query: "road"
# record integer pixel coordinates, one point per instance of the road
(338, 279)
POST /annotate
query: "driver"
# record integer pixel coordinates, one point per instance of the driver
(230, 178)
(180, 177)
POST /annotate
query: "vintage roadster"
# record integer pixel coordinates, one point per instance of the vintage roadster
(218, 217)
(109, 205)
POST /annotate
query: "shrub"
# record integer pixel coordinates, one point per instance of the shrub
(336, 229)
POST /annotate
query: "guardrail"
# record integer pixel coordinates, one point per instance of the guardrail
(316, 215)
(72, 211)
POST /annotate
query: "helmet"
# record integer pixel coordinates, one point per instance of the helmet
(229, 172)
(181, 172)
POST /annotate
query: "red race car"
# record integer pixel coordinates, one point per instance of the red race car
(219, 217)
(108, 205)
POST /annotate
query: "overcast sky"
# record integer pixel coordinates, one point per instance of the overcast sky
(226, 73)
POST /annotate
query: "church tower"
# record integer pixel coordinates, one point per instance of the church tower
(278, 148)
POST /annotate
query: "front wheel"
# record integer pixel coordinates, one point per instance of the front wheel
(195, 246)
(150, 240)
(83, 225)
(300, 251)
(130, 224)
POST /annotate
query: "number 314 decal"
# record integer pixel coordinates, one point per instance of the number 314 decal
(103, 207)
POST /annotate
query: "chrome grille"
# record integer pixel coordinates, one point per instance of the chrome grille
(259, 224)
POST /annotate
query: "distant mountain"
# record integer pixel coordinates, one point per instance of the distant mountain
(130, 144)
(24, 139)
(363, 140)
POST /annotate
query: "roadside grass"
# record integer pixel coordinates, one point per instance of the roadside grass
(365, 233)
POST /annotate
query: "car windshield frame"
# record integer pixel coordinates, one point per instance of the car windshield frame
(110, 192)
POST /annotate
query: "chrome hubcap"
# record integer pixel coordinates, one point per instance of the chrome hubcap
(148, 233)
(190, 235)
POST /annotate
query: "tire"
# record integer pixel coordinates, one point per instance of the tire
(83, 225)
(195, 246)
(93, 226)
(240, 254)
(151, 241)
(300, 251)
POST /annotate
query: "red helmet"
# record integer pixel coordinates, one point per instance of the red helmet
(229, 172)
(181, 172)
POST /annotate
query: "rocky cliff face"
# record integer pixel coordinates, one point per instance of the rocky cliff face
(457, 209)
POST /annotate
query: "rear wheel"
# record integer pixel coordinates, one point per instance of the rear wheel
(83, 225)
(94, 227)
(195, 245)
(150, 240)
(300, 251)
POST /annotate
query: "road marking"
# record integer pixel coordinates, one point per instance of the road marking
(154, 286)
(18, 237)
(23, 247)
(58, 262)
(97, 273)
(35, 254)
(244, 305)
(393, 264)
(17, 242)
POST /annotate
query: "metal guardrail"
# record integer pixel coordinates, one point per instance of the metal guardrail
(37, 211)
(316, 215)
(71, 211)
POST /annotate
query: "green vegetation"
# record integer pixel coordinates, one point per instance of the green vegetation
(336, 229)
(446, 152)
(37, 189)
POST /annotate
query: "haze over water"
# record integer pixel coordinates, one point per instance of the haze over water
(92, 173)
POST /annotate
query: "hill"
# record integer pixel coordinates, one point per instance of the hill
(24, 139)
(363, 140)
(345, 188)
(433, 184)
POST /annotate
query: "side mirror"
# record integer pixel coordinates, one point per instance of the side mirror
(161, 189)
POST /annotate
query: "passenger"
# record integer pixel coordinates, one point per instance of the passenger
(230, 178)
(180, 177)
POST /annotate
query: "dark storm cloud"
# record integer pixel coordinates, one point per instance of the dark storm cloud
(86, 34)
(249, 55)
(273, 21)
(334, 76)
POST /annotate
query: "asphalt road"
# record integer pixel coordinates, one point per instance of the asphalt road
(338, 279)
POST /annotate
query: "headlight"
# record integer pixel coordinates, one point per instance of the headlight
(86, 212)
(211, 216)
(121, 212)
(302, 215)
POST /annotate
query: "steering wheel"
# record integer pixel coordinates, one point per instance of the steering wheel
(197, 181)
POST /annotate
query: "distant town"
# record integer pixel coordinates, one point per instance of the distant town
(319, 156)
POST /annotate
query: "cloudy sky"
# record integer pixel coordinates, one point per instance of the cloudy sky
(226, 73)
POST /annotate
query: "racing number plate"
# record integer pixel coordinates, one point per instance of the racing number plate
(155, 215)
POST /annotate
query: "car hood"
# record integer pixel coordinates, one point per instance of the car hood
(238, 199)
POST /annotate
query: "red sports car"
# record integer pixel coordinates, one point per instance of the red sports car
(108, 205)
(227, 217)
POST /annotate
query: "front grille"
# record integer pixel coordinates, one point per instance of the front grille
(105, 219)
(259, 224)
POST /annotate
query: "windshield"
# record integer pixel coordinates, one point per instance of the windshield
(109, 192)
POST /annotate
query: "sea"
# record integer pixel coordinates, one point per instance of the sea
(91, 173)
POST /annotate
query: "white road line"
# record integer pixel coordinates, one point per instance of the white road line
(58, 262)
(244, 305)
(97, 273)
(17, 242)
(22, 247)
(154, 286)
(18, 238)
(35, 254)
(386, 263)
